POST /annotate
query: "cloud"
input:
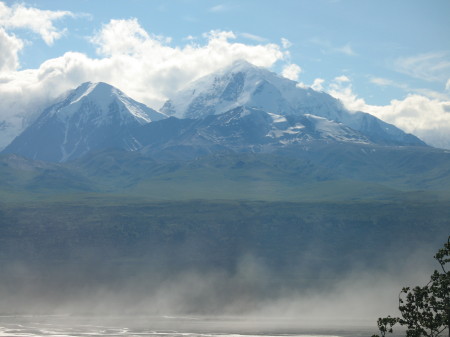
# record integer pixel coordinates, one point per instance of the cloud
(384, 82)
(122, 37)
(10, 46)
(429, 119)
(291, 71)
(341, 88)
(426, 117)
(447, 85)
(143, 65)
(36, 20)
(150, 70)
(218, 8)
(317, 84)
(341, 79)
(253, 37)
(330, 48)
(286, 43)
(21, 17)
(432, 67)
(346, 49)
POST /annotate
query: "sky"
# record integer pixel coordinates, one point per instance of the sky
(388, 58)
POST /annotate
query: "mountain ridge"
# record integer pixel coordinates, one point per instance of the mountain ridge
(317, 171)
(241, 108)
(245, 129)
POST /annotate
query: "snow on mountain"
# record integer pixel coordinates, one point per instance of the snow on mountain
(245, 84)
(240, 108)
(243, 129)
(102, 98)
(93, 116)
(257, 127)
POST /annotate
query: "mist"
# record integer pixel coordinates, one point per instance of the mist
(249, 290)
(223, 266)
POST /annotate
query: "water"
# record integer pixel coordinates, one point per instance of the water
(70, 326)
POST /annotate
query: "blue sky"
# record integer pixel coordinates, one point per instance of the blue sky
(389, 58)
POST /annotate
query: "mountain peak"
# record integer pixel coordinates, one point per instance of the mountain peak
(100, 91)
(243, 83)
(251, 71)
(94, 116)
(241, 65)
(87, 88)
(101, 97)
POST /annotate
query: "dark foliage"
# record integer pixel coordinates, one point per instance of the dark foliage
(425, 311)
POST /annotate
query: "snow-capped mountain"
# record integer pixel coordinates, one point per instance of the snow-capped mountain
(241, 108)
(93, 116)
(243, 84)
(242, 129)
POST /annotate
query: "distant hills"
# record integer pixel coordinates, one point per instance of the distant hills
(322, 171)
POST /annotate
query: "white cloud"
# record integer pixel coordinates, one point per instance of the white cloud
(218, 8)
(341, 88)
(346, 49)
(220, 35)
(253, 37)
(36, 20)
(330, 48)
(447, 85)
(429, 67)
(10, 46)
(428, 118)
(430, 93)
(384, 82)
(291, 71)
(286, 43)
(317, 84)
(142, 65)
(122, 37)
(342, 79)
